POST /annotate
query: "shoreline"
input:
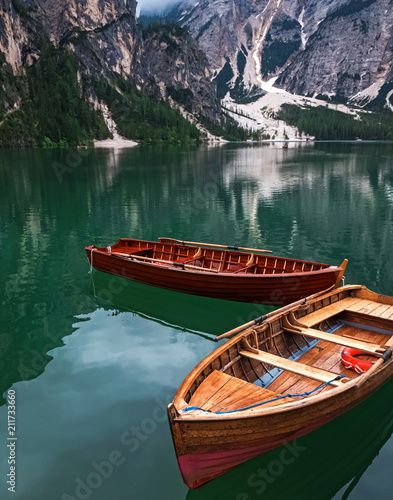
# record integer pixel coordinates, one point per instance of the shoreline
(115, 143)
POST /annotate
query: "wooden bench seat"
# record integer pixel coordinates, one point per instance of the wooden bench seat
(292, 366)
(352, 309)
(130, 251)
(327, 312)
(184, 260)
(222, 392)
(349, 304)
(368, 347)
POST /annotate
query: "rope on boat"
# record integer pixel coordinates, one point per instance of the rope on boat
(91, 261)
(192, 408)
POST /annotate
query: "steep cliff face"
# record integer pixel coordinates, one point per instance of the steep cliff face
(225, 30)
(108, 43)
(181, 70)
(336, 48)
(103, 33)
(15, 40)
(348, 57)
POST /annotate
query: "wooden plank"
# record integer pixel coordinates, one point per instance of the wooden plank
(162, 261)
(232, 401)
(367, 320)
(363, 334)
(360, 305)
(302, 386)
(328, 359)
(316, 317)
(284, 382)
(231, 388)
(221, 392)
(380, 309)
(250, 396)
(387, 313)
(215, 381)
(370, 308)
(344, 341)
(292, 366)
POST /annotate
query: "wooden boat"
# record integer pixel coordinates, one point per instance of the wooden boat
(221, 272)
(280, 379)
(317, 453)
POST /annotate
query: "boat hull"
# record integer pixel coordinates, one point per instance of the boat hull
(208, 448)
(273, 289)
(231, 407)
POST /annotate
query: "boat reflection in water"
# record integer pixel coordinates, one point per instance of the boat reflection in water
(180, 310)
(316, 466)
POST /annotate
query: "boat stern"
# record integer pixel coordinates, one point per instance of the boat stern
(340, 276)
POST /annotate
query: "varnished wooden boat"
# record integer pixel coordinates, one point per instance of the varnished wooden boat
(216, 418)
(280, 474)
(244, 276)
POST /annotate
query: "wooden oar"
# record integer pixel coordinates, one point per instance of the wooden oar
(160, 261)
(178, 242)
(385, 357)
(263, 318)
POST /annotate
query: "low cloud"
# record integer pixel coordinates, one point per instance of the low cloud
(155, 5)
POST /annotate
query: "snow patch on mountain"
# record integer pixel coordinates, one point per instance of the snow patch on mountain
(261, 115)
(367, 95)
(303, 35)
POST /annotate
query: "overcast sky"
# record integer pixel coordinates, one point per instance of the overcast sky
(155, 4)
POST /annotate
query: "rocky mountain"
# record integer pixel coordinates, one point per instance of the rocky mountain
(107, 30)
(109, 44)
(176, 63)
(338, 49)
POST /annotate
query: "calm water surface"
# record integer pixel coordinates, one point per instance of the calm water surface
(94, 362)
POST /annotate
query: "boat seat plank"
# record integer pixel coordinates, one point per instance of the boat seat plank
(368, 347)
(387, 313)
(329, 359)
(369, 308)
(327, 312)
(184, 260)
(130, 251)
(292, 366)
(355, 305)
(285, 382)
(360, 304)
(222, 392)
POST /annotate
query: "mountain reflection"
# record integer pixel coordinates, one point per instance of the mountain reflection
(322, 202)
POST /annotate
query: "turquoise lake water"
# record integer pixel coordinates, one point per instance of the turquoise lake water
(94, 360)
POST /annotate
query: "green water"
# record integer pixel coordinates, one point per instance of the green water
(94, 362)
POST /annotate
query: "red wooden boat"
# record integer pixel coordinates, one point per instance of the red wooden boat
(216, 271)
(281, 378)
